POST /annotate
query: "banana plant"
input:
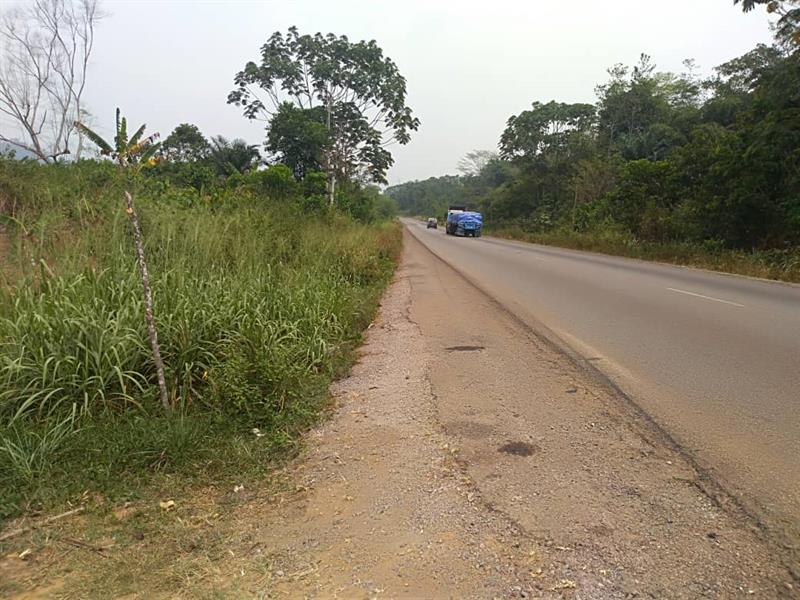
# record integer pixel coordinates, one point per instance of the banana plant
(132, 153)
(136, 151)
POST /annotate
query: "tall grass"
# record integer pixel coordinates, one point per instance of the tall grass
(258, 306)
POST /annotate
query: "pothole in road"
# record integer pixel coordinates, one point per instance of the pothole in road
(464, 348)
(519, 448)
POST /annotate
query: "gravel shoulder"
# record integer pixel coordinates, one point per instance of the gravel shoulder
(387, 508)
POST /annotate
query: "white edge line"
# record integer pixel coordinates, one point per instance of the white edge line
(705, 297)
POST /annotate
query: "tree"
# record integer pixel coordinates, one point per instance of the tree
(132, 153)
(474, 162)
(644, 113)
(741, 75)
(545, 142)
(44, 55)
(428, 197)
(643, 199)
(232, 157)
(361, 93)
(385, 208)
(297, 137)
(630, 103)
(788, 26)
(594, 177)
(734, 82)
(545, 129)
(186, 144)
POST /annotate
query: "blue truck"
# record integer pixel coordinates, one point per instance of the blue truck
(460, 221)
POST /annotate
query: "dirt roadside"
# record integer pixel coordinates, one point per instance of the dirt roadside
(465, 459)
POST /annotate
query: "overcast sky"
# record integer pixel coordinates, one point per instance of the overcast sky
(469, 65)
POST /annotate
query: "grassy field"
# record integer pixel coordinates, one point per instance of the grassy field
(259, 306)
(782, 265)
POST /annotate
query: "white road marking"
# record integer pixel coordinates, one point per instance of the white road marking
(706, 297)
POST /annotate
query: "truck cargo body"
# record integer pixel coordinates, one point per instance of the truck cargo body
(463, 222)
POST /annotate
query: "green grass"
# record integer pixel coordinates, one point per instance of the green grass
(259, 306)
(782, 265)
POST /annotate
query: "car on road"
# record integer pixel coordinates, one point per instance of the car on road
(433, 223)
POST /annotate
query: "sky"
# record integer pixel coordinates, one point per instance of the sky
(468, 65)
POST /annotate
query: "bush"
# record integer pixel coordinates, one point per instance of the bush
(277, 181)
(197, 175)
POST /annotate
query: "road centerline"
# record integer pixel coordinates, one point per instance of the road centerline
(703, 296)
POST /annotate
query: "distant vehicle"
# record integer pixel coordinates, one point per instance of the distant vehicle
(449, 218)
(433, 223)
(461, 221)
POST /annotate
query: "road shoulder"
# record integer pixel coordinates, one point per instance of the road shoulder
(618, 508)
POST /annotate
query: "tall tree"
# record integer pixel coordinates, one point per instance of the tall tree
(472, 163)
(186, 144)
(361, 92)
(545, 142)
(644, 113)
(45, 47)
(297, 137)
(630, 103)
(545, 128)
(733, 83)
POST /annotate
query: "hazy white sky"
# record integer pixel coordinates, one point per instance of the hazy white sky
(469, 65)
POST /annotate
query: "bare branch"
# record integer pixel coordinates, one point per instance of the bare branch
(44, 56)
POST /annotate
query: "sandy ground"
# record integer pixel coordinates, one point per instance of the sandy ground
(467, 458)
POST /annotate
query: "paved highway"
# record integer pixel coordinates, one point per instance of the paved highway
(713, 358)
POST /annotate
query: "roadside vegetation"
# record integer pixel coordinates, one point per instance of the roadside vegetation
(259, 271)
(259, 303)
(664, 166)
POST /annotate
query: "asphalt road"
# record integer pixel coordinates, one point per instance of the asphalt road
(714, 359)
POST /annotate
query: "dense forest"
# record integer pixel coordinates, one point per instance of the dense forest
(660, 158)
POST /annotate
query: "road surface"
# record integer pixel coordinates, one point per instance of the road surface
(714, 359)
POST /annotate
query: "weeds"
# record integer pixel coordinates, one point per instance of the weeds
(25, 454)
(259, 306)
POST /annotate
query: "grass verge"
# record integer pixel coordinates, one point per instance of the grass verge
(259, 306)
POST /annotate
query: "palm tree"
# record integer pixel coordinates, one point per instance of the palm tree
(231, 157)
(134, 153)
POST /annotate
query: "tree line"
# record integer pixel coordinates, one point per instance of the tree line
(331, 108)
(660, 156)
